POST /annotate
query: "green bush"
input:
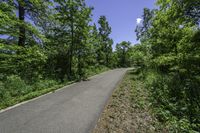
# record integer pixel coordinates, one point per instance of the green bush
(4, 94)
(157, 84)
(43, 84)
(16, 86)
(170, 104)
(27, 62)
(92, 70)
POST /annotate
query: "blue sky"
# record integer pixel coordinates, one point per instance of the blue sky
(122, 16)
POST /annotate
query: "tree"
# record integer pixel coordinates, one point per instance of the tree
(27, 12)
(83, 48)
(122, 51)
(106, 42)
(142, 31)
(138, 55)
(74, 31)
(8, 22)
(96, 41)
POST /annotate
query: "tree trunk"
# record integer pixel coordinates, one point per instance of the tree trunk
(21, 41)
(124, 58)
(71, 49)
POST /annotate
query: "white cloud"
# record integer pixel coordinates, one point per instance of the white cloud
(181, 26)
(139, 20)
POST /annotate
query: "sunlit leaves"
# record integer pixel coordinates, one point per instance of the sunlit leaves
(173, 53)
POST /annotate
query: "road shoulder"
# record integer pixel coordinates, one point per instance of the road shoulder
(128, 109)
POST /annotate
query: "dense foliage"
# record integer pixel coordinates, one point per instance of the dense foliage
(170, 46)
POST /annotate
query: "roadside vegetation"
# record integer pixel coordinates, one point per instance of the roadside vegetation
(132, 108)
(15, 90)
(128, 110)
(169, 57)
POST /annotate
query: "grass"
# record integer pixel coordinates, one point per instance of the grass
(31, 95)
(42, 88)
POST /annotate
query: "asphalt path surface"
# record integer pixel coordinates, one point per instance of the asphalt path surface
(72, 109)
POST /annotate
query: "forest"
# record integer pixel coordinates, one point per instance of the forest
(46, 44)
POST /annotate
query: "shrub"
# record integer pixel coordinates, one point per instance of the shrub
(16, 86)
(43, 84)
(170, 104)
(3, 93)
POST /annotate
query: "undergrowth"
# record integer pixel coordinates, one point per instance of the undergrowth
(13, 89)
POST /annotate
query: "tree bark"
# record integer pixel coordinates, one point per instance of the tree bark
(22, 37)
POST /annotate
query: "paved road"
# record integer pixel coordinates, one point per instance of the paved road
(74, 109)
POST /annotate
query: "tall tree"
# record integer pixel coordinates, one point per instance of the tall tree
(141, 30)
(96, 43)
(27, 12)
(21, 12)
(74, 17)
(106, 42)
(8, 22)
(66, 14)
(83, 48)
